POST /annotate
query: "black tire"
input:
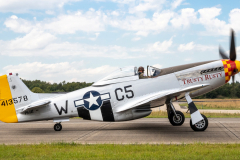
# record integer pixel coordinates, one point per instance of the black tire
(57, 127)
(174, 121)
(200, 126)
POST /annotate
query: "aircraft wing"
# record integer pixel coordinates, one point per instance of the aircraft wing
(34, 105)
(158, 95)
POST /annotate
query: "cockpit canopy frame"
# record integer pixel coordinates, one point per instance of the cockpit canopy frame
(120, 75)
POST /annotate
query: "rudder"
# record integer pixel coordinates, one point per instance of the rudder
(7, 108)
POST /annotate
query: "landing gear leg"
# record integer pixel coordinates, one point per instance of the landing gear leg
(176, 118)
(198, 121)
(57, 127)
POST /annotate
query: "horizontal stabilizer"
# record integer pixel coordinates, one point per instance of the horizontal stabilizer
(34, 105)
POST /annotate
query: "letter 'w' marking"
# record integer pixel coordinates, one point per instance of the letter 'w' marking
(62, 109)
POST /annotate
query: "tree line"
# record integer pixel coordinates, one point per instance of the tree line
(38, 86)
(226, 91)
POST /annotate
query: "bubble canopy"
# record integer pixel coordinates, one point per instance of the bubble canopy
(120, 75)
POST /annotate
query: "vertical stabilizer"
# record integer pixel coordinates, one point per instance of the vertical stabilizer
(21, 95)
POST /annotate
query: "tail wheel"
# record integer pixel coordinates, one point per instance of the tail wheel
(201, 125)
(57, 127)
(176, 121)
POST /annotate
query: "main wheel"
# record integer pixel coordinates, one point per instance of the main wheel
(201, 125)
(57, 127)
(176, 121)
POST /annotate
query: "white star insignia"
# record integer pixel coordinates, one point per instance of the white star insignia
(92, 100)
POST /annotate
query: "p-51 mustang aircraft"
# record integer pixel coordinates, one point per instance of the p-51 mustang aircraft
(121, 96)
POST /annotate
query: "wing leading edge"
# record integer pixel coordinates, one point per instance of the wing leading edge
(158, 95)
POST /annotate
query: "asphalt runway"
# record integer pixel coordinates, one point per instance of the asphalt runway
(145, 130)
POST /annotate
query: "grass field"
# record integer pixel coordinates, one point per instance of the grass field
(226, 104)
(212, 100)
(213, 105)
(161, 114)
(118, 151)
(223, 104)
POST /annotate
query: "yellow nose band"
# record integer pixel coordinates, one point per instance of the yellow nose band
(237, 66)
(229, 67)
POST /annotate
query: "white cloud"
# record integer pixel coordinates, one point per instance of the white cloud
(234, 19)
(158, 22)
(94, 38)
(21, 6)
(238, 50)
(157, 66)
(97, 21)
(34, 40)
(212, 24)
(146, 5)
(58, 72)
(39, 43)
(142, 33)
(126, 34)
(18, 25)
(186, 47)
(187, 16)
(14, 17)
(176, 3)
(90, 21)
(192, 46)
(123, 1)
(50, 12)
(201, 47)
(115, 13)
(68, 49)
(136, 39)
(160, 46)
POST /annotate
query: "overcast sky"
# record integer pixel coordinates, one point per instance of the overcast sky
(77, 40)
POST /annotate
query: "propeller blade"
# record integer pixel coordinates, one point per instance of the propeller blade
(222, 53)
(232, 48)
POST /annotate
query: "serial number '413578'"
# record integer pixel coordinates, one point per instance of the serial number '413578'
(15, 100)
